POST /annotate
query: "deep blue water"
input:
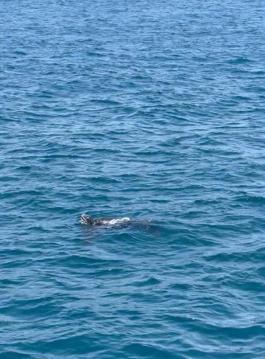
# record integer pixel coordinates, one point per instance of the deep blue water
(148, 109)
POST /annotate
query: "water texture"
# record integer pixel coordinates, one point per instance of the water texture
(146, 109)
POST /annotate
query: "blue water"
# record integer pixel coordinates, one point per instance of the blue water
(147, 109)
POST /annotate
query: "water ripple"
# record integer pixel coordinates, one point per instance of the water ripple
(152, 110)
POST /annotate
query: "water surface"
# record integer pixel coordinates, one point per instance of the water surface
(147, 109)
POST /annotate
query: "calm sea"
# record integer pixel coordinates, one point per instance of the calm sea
(149, 109)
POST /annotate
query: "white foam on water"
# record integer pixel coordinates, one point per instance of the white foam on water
(117, 221)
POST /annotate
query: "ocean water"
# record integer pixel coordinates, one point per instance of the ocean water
(152, 110)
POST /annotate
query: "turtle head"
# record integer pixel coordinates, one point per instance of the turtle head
(85, 219)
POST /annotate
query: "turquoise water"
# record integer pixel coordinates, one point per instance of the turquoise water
(147, 109)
